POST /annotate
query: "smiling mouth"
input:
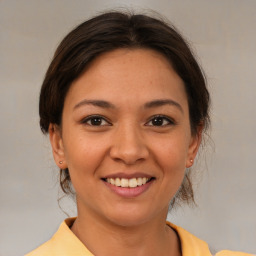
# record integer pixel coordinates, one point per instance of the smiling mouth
(128, 183)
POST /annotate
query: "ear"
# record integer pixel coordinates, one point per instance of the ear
(57, 146)
(194, 145)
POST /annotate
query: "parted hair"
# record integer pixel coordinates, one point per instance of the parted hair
(114, 30)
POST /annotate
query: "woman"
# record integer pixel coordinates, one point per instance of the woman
(125, 105)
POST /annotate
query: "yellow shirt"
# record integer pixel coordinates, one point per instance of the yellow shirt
(65, 243)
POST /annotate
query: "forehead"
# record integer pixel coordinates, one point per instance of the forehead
(124, 75)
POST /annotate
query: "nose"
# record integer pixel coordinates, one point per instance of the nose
(128, 145)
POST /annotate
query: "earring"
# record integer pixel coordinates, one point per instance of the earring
(191, 161)
(60, 162)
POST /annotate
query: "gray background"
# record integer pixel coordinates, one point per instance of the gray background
(223, 35)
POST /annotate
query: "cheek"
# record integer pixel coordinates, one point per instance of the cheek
(171, 156)
(83, 156)
(171, 153)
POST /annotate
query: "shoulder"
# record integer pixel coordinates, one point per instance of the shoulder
(51, 247)
(192, 245)
(232, 253)
(44, 249)
(63, 243)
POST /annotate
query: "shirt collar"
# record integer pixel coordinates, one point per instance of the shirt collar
(71, 245)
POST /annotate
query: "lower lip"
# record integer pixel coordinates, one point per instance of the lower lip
(129, 192)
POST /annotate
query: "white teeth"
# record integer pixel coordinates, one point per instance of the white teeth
(133, 183)
(139, 181)
(117, 182)
(125, 183)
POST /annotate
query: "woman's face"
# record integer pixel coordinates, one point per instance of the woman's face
(126, 137)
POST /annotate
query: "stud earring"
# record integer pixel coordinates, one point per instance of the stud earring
(60, 162)
(191, 161)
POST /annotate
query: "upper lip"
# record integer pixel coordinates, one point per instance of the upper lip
(127, 175)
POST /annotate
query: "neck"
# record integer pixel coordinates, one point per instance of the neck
(148, 238)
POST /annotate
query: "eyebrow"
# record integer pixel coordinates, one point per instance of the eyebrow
(97, 103)
(150, 104)
(163, 102)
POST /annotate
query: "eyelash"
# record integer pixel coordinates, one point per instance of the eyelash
(107, 123)
(90, 118)
(164, 118)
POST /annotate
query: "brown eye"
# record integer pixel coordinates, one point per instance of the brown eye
(160, 121)
(95, 121)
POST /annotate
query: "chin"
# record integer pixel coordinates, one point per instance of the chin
(131, 216)
(128, 220)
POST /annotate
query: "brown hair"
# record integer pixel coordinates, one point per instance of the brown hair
(110, 31)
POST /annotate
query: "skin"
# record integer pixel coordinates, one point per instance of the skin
(126, 142)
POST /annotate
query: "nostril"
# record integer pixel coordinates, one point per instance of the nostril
(128, 156)
(128, 149)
